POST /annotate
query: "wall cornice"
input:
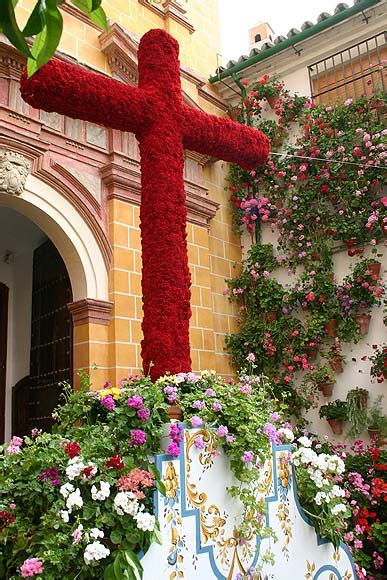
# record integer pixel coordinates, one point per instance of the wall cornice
(90, 311)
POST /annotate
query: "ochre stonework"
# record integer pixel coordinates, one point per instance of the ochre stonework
(98, 171)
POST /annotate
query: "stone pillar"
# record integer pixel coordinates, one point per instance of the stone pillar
(91, 320)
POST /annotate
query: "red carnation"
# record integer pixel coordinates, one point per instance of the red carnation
(324, 188)
(72, 449)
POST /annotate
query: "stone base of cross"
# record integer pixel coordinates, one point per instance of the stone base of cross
(164, 127)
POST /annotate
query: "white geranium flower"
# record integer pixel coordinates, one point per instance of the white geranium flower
(65, 515)
(125, 502)
(145, 522)
(340, 507)
(74, 468)
(74, 500)
(95, 551)
(101, 494)
(286, 433)
(95, 533)
(305, 441)
(66, 489)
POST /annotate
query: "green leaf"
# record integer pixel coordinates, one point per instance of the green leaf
(46, 42)
(93, 10)
(156, 536)
(134, 563)
(98, 16)
(109, 573)
(116, 537)
(37, 19)
(161, 487)
(11, 29)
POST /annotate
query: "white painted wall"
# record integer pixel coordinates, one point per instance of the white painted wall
(18, 277)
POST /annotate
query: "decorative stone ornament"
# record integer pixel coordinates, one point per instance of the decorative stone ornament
(164, 125)
(14, 169)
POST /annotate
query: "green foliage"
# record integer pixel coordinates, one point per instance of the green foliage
(44, 520)
(334, 410)
(45, 26)
(357, 410)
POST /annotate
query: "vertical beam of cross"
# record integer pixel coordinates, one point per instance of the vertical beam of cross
(163, 125)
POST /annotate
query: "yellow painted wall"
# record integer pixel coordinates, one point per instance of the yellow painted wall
(212, 252)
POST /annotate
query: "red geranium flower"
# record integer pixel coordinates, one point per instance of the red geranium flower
(115, 462)
(72, 449)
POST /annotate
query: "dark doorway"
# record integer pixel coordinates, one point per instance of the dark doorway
(3, 354)
(36, 396)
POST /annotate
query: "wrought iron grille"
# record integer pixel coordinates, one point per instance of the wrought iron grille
(355, 71)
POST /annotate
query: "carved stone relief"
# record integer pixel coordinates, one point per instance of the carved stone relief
(14, 169)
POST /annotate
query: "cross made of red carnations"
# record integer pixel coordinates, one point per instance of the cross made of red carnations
(164, 126)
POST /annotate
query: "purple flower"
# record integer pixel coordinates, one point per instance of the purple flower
(222, 431)
(250, 357)
(175, 433)
(274, 416)
(16, 441)
(173, 449)
(271, 432)
(199, 443)
(135, 402)
(230, 438)
(210, 393)
(171, 393)
(247, 457)
(216, 406)
(196, 421)
(143, 414)
(108, 402)
(198, 405)
(137, 438)
(51, 474)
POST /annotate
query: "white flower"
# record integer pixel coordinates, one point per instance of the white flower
(74, 468)
(340, 507)
(320, 497)
(103, 492)
(287, 433)
(74, 500)
(95, 533)
(305, 441)
(145, 522)
(66, 489)
(337, 491)
(95, 551)
(65, 515)
(125, 502)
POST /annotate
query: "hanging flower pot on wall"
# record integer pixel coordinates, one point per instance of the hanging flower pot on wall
(363, 321)
(374, 268)
(330, 328)
(326, 389)
(337, 364)
(270, 316)
(336, 426)
(272, 101)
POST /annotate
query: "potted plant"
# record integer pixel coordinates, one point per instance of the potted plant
(322, 378)
(266, 88)
(379, 363)
(335, 356)
(357, 410)
(336, 413)
(376, 420)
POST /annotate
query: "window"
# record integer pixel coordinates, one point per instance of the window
(353, 72)
(257, 38)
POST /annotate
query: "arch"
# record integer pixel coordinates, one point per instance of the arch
(70, 233)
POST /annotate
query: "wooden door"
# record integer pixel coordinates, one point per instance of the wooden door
(3, 354)
(36, 396)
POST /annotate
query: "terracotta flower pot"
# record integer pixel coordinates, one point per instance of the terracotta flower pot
(372, 431)
(374, 268)
(363, 321)
(272, 101)
(330, 328)
(326, 389)
(337, 364)
(336, 425)
(175, 413)
(311, 353)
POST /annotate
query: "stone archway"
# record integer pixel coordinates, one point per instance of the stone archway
(61, 221)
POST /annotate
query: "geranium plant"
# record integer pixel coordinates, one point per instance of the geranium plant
(379, 363)
(81, 499)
